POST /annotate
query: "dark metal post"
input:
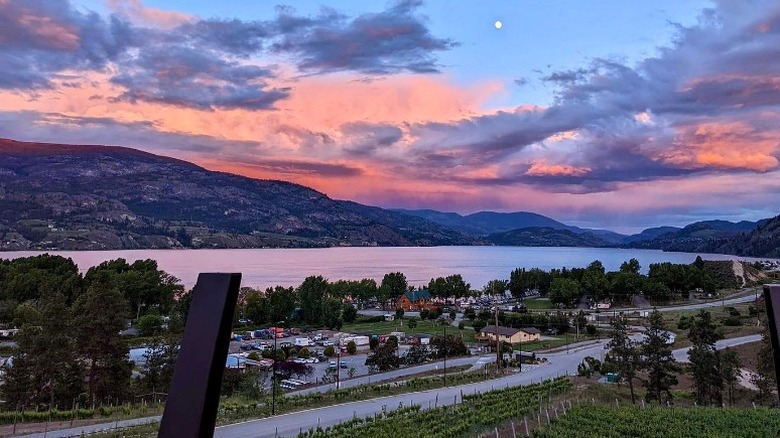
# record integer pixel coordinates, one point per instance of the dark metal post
(498, 344)
(191, 407)
(772, 301)
(338, 367)
(273, 377)
(445, 355)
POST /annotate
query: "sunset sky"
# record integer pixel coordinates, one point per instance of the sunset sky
(609, 114)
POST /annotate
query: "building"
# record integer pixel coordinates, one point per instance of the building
(415, 300)
(511, 335)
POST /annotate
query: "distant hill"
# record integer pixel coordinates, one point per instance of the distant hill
(105, 197)
(484, 223)
(697, 237)
(541, 236)
(650, 234)
(763, 241)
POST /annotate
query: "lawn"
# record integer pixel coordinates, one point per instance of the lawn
(424, 326)
(538, 304)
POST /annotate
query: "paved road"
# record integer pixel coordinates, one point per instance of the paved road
(561, 363)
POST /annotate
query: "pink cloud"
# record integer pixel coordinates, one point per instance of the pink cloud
(144, 15)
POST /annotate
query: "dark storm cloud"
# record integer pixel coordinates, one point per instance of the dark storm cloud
(61, 128)
(392, 41)
(365, 138)
(43, 37)
(299, 168)
(659, 118)
(204, 63)
(188, 77)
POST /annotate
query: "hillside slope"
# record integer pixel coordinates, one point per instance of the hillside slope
(106, 197)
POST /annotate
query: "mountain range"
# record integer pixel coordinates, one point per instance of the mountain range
(56, 196)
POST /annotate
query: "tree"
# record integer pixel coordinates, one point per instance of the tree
(351, 347)
(496, 287)
(329, 351)
(150, 324)
(45, 369)
(449, 346)
(417, 354)
(160, 358)
(399, 313)
(451, 286)
(312, 293)
(281, 303)
(730, 372)
(412, 323)
(373, 343)
(348, 312)
(143, 285)
(594, 281)
(98, 317)
(705, 363)
(331, 314)
(383, 359)
(623, 353)
(564, 291)
(478, 324)
(764, 379)
(304, 353)
(658, 360)
(393, 286)
(630, 267)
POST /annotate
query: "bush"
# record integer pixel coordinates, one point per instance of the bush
(304, 353)
(351, 347)
(461, 325)
(591, 330)
(253, 356)
(479, 324)
(329, 351)
(732, 321)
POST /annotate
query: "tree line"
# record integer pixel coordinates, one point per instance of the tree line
(69, 348)
(663, 282)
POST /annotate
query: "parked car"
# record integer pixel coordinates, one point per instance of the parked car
(332, 364)
(344, 364)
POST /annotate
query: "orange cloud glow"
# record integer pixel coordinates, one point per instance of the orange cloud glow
(735, 145)
(541, 168)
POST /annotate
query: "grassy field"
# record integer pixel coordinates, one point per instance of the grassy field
(424, 326)
(662, 422)
(538, 304)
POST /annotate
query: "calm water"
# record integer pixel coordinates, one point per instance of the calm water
(288, 267)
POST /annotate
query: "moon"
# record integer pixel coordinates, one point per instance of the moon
(498, 24)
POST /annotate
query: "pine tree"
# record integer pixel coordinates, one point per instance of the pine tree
(658, 360)
(730, 372)
(623, 354)
(99, 315)
(44, 369)
(764, 379)
(705, 360)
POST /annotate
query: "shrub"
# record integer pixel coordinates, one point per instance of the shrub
(351, 347)
(329, 351)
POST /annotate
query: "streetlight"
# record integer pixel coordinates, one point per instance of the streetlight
(445, 355)
(338, 368)
(273, 381)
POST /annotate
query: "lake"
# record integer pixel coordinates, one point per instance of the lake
(288, 267)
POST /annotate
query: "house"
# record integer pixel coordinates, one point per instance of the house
(511, 335)
(415, 300)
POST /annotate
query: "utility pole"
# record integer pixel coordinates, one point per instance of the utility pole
(498, 344)
(338, 368)
(445, 355)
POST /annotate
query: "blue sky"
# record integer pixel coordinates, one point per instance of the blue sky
(609, 114)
